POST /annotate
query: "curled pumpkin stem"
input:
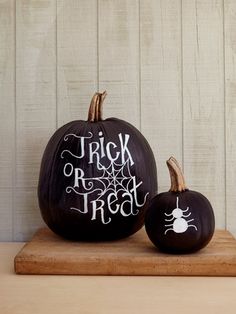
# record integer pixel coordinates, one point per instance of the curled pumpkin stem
(102, 97)
(91, 113)
(176, 176)
(95, 108)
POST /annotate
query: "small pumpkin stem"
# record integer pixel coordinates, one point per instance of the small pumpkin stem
(176, 176)
(95, 108)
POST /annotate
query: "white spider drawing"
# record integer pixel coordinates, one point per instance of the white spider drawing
(180, 224)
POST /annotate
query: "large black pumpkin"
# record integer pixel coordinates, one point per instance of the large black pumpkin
(96, 178)
(181, 220)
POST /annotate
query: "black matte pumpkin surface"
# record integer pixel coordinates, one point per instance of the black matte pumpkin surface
(95, 197)
(173, 239)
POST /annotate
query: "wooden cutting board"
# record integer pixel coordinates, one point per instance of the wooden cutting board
(47, 253)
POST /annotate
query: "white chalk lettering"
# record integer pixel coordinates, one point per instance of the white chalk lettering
(115, 190)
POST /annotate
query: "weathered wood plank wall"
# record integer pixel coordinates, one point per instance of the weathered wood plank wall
(203, 100)
(168, 67)
(7, 117)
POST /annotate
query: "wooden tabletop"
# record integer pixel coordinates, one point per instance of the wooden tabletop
(49, 254)
(23, 294)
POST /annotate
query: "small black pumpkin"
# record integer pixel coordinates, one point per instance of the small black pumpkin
(96, 178)
(181, 220)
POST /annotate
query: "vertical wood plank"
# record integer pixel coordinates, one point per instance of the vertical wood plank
(77, 58)
(7, 116)
(118, 26)
(230, 112)
(203, 101)
(161, 97)
(36, 104)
